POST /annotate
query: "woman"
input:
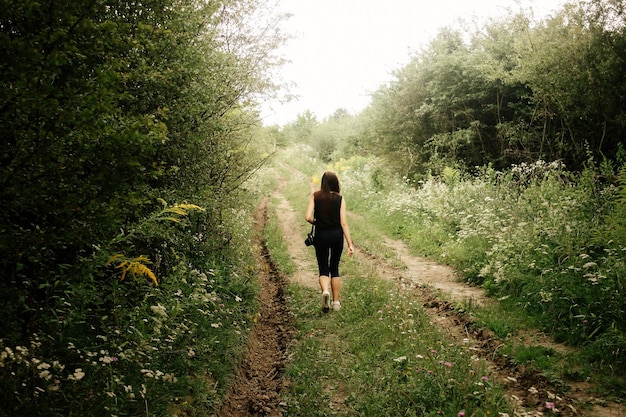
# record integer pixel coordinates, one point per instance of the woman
(327, 211)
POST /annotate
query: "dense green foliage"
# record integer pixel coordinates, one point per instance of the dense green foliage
(112, 111)
(515, 92)
(511, 91)
(126, 275)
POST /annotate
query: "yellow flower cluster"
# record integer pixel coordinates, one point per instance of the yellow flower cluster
(134, 267)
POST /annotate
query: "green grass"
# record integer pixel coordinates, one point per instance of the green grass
(380, 356)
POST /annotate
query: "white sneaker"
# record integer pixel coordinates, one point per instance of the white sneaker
(325, 301)
(336, 305)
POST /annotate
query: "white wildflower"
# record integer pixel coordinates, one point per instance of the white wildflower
(169, 378)
(159, 310)
(77, 376)
(148, 373)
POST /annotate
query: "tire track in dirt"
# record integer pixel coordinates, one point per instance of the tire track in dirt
(258, 381)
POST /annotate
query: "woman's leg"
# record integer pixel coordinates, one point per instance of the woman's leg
(325, 282)
(335, 283)
(322, 251)
(335, 257)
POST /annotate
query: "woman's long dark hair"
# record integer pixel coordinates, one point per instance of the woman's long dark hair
(330, 184)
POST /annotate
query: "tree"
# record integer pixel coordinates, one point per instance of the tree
(518, 91)
(573, 64)
(106, 107)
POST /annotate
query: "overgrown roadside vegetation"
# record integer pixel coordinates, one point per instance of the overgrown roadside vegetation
(127, 279)
(508, 319)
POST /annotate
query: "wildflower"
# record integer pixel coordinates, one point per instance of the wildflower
(77, 375)
(108, 359)
(461, 413)
(57, 365)
(169, 378)
(135, 267)
(448, 364)
(45, 374)
(159, 310)
(484, 378)
(549, 405)
(589, 265)
(148, 373)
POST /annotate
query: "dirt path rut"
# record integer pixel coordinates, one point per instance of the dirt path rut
(258, 382)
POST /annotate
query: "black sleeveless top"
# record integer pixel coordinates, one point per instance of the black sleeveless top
(327, 209)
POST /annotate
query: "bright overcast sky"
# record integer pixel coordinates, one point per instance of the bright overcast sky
(345, 49)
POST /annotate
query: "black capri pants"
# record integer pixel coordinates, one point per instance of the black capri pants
(328, 249)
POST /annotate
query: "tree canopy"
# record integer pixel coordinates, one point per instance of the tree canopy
(109, 106)
(510, 91)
